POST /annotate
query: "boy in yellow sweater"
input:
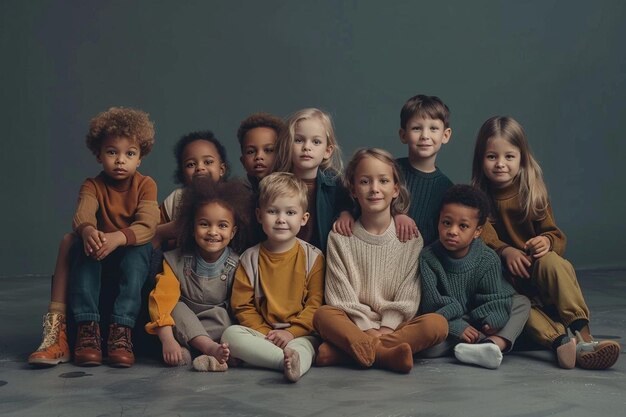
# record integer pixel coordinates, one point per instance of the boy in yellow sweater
(115, 220)
(279, 285)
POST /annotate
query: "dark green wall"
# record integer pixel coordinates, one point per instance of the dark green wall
(558, 67)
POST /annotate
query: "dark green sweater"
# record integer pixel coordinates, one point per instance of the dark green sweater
(472, 286)
(427, 190)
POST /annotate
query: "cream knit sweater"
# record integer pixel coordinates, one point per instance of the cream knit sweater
(373, 278)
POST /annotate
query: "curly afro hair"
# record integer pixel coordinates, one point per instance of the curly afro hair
(121, 122)
(185, 140)
(259, 120)
(468, 196)
(232, 195)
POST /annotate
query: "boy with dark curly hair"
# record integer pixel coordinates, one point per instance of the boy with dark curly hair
(462, 280)
(115, 219)
(257, 136)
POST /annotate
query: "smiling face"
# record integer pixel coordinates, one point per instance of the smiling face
(257, 151)
(374, 186)
(119, 157)
(214, 228)
(281, 220)
(201, 158)
(310, 148)
(458, 227)
(424, 137)
(501, 162)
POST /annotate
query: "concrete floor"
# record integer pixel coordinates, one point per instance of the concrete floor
(528, 383)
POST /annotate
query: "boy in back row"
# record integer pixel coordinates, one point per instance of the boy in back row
(424, 128)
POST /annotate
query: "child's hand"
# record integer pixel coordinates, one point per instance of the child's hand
(488, 330)
(343, 225)
(517, 262)
(111, 242)
(93, 239)
(470, 335)
(537, 246)
(406, 229)
(385, 330)
(279, 337)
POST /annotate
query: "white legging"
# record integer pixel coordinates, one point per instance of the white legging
(251, 347)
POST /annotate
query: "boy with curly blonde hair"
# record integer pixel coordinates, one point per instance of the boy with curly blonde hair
(115, 219)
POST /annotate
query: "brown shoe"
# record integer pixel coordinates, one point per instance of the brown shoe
(87, 351)
(120, 347)
(54, 348)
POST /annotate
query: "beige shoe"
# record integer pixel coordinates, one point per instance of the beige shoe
(596, 354)
(566, 354)
(54, 348)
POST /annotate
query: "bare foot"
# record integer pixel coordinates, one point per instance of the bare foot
(291, 365)
(205, 363)
(219, 352)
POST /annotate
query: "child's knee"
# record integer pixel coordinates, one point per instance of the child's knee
(435, 326)
(323, 315)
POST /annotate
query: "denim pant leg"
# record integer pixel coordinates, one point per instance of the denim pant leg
(134, 267)
(84, 286)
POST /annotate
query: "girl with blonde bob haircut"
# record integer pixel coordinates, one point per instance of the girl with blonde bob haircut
(523, 232)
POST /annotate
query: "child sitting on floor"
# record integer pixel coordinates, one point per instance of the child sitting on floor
(189, 305)
(279, 285)
(462, 280)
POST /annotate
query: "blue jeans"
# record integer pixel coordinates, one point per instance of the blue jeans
(131, 263)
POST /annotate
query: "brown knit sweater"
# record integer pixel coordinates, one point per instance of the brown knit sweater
(510, 228)
(109, 206)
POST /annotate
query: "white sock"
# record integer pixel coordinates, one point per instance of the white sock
(487, 355)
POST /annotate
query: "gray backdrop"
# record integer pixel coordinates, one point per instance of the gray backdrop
(557, 67)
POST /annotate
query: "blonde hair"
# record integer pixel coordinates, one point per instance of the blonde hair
(400, 204)
(283, 161)
(280, 184)
(532, 188)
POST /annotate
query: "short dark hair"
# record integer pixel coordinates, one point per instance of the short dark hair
(421, 105)
(179, 148)
(259, 120)
(468, 196)
(232, 195)
(121, 122)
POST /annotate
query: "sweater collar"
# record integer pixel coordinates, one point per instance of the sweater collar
(123, 185)
(421, 174)
(388, 235)
(505, 193)
(465, 263)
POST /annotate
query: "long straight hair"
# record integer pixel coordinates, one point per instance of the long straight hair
(283, 162)
(532, 188)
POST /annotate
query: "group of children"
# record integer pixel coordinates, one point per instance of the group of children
(307, 264)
